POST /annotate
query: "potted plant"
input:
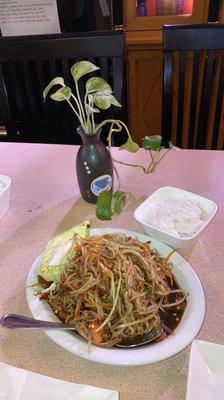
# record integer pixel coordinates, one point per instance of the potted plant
(94, 164)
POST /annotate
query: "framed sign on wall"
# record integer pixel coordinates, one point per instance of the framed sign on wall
(27, 17)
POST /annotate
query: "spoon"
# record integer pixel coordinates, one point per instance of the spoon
(15, 321)
(142, 339)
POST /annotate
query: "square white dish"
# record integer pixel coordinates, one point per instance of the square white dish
(20, 384)
(5, 188)
(206, 371)
(168, 193)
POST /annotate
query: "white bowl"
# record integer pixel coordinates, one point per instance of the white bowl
(168, 193)
(185, 332)
(5, 187)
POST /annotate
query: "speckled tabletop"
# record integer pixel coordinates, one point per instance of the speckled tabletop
(45, 201)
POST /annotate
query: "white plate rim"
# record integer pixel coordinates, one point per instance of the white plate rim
(186, 331)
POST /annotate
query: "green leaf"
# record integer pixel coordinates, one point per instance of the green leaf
(103, 205)
(55, 81)
(173, 147)
(91, 110)
(130, 146)
(152, 142)
(82, 68)
(97, 84)
(118, 202)
(63, 93)
(101, 100)
(115, 102)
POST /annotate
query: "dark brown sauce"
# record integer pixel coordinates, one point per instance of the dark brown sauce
(171, 317)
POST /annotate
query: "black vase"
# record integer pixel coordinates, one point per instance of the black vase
(94, 167)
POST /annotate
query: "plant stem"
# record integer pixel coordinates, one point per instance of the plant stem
(106, 121)
(92, 117)
(152, 163)
(154, 159)
(78, 116)
(80, 104)
(88, 122)
(164, 154)
(109, 143)
(117, 176)
(131, 165)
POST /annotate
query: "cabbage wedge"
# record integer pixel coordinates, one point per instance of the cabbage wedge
(58, 250)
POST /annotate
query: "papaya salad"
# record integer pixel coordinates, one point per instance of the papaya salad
(111, 288)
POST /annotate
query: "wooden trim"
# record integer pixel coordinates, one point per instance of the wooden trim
(143, 38)
(222, 12)
(133, 22)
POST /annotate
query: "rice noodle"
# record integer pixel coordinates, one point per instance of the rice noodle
(179, 218)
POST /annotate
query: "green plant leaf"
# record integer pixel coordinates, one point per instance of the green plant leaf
(118, 202)
(130, 146)
(97, 84)
(152, 142)
(173, 147)
(101, 100)
(91, 110)
(115, 102)
(103, 205)
(82, 68)
(55, 81)
(63, 93)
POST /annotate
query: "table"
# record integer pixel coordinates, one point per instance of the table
(45, 201)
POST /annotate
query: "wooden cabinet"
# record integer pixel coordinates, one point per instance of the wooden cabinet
(144, 89)
(145, 61)
(222, 13)
(157, 13)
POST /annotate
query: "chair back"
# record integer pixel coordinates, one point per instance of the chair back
(193, 85)
(27, 64)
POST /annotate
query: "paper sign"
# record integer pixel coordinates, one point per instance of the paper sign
(28, 17)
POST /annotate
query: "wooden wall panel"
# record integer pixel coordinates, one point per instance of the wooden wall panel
(144, 92)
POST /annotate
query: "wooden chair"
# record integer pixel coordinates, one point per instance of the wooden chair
(27, 64)
(193, 109)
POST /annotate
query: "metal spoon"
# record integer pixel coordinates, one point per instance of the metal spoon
(14, 321)
(143, 339)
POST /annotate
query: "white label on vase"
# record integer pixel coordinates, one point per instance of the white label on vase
(103, 182)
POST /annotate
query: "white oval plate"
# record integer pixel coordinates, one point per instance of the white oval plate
(186, 331)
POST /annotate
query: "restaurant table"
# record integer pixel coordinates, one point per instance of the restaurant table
(45, 201)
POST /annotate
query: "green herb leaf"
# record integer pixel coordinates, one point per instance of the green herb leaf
(103, 205)
(63, 93)
(82, 68)
(97, 84)
(118, 202)
(130, 146)
(152, 142)
(55, 81)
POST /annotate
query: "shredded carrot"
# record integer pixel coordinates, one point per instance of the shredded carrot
(146, 250)
(98, 256)
(96, 335)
